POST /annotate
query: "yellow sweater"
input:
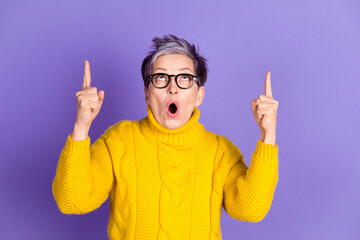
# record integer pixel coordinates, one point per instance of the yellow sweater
(165, 184)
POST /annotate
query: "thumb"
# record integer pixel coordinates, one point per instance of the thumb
(253, 105)
(101, 95)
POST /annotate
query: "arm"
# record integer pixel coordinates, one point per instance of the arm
(84, 176)
(248, 192)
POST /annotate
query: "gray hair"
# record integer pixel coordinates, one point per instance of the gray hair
(170, 44)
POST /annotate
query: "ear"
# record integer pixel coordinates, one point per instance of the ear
(147, 96)
(200, 96)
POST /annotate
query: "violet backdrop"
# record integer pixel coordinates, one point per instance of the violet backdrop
(311, 47)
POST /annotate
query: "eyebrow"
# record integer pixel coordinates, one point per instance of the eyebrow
(181, 69)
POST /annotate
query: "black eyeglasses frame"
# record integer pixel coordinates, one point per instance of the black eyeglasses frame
(195, 78)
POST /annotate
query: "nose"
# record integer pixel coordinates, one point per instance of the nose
(172, 88)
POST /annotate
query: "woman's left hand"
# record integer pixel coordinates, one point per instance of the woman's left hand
(265, 111)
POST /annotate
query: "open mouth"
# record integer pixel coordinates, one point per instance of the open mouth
(173, 109)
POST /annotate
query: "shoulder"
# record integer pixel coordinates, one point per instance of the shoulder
(119, 130)
(225, 144)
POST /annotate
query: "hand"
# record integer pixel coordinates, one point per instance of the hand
(89, 100)
(265, 112)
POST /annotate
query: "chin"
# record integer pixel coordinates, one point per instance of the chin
(172, 125)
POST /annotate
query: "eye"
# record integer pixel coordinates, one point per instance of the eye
(160, 77)
(184, 78)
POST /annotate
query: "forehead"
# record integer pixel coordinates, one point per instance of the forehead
(173, 62)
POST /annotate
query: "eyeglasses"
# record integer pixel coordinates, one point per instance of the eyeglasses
(162, 80)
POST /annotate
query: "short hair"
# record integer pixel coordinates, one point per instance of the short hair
(170, 44)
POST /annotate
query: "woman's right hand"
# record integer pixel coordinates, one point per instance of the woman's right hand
(89, 100)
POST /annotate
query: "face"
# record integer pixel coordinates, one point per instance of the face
(162, 101)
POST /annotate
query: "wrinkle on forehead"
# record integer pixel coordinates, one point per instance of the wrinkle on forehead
(174, 62)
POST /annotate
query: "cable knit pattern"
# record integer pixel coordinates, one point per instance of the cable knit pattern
(165, 184)
(176, 192)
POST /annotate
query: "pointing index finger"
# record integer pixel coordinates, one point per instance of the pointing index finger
(268, 91)
(87, 75)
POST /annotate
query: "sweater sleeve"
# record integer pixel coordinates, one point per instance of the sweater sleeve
(84, 176)
(248, 192)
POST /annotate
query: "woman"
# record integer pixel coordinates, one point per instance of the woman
(167, 176)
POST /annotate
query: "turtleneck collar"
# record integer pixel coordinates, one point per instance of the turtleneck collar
(187, 134)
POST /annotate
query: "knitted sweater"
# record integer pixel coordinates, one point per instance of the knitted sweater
(165, 184)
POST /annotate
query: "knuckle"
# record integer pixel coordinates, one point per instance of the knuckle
(91, 89)
(83, 104)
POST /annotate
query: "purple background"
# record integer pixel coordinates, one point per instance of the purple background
(311, 47)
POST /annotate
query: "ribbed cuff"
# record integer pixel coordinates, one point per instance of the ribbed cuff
(264, 149)
(78, 147)
(265, 156)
